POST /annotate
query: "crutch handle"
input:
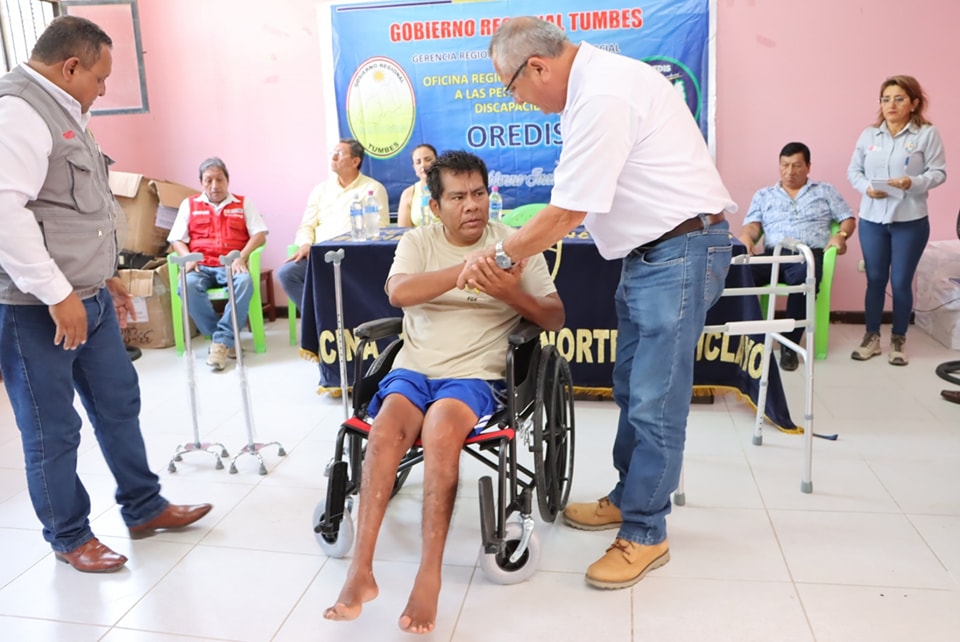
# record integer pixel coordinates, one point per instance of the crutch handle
(229, 258)
(186, 258)
(334, 256)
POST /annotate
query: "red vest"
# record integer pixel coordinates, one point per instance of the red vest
(214, 234)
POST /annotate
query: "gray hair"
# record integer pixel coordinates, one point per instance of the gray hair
(356, 149)
(519, 38)
(214, 162)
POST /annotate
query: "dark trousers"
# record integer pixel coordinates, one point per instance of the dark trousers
(791, 274)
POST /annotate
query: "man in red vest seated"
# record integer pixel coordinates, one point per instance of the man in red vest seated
(215, 223)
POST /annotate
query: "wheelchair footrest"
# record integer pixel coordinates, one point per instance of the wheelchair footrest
(336, 499)
(488, 523)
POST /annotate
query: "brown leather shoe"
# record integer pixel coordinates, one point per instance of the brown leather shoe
(173, 516)
(626, 563)
(951, 395)
(93, 557)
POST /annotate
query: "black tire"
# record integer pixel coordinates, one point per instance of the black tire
(946, 371)
(553, 433)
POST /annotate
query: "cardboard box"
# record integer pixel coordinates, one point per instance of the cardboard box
(150, 207)
(150, 289)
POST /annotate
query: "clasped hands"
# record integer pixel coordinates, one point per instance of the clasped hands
(482, 274)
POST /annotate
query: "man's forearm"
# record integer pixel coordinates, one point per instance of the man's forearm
(543, 231)
(405, 290)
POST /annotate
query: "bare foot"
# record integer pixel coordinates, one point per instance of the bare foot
(360, 587)
(420, 616)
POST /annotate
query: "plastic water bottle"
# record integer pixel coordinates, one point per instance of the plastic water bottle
(371, 217)
(496, 204)
(426, 214)
(356, 218)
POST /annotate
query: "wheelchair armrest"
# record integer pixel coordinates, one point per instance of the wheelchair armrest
(379, 328)
(525, 332)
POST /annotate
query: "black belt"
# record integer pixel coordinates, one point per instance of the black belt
(694, 224)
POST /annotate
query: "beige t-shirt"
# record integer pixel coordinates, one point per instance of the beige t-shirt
(461, 334)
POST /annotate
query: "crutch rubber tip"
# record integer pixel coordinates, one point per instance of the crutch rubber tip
(171, 468)
(281, 452)
(219, 465)
(233, 469)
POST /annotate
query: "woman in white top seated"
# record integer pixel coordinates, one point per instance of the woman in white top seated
(414, 208)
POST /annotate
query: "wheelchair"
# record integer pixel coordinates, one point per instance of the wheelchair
(538, 412)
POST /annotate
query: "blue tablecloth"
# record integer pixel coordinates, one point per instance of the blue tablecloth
(586, 283)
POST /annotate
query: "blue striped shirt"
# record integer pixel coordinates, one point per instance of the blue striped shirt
(806, 219)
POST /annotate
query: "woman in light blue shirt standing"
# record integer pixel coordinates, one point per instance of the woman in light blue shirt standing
(896, 162)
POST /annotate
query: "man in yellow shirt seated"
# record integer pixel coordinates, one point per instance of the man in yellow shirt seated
(328, 212)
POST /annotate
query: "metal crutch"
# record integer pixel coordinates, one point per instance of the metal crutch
(252, 447)
(196, 445)
(336, 257)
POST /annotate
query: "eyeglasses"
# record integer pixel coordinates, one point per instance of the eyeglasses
(897, 100)
(509, 88)
(338, 153)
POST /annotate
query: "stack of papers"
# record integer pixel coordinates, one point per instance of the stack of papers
(880, 185)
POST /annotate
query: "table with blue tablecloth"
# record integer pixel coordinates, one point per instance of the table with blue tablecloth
(586, 284)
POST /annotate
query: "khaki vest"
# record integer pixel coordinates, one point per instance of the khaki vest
(75, 209)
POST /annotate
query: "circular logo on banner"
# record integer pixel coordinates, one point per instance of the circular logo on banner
(381, 107)
(682, 79)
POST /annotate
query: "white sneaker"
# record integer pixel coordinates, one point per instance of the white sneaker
(869, 347)
(217, 357)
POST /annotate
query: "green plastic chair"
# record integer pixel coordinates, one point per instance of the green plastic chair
(821, 338)
(255, 315)
(520, 215)
(291, 304)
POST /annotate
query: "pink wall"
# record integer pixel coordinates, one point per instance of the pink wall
(235, 79)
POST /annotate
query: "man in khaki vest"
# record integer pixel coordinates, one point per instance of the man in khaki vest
(61, 304)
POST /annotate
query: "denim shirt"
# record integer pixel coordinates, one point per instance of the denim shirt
(916, 151)
(806, 218)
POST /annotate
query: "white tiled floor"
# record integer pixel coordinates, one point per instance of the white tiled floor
(873, 554)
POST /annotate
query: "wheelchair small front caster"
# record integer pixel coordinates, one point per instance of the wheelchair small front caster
(499, 568)
(339, 544)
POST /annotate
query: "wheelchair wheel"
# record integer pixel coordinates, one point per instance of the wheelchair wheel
(342, 542)
(553, 433)
(500, 569)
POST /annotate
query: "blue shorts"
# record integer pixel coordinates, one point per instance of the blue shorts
(481, 396)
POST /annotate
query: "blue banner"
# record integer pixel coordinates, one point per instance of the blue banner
(418, 72)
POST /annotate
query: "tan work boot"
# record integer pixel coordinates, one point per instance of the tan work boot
(869, 347)
(593, 516)
(217, 358)
(625, 563)
(898, 356)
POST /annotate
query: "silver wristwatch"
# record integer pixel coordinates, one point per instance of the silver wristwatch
(503, 261)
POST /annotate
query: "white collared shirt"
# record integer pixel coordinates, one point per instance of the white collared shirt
(633, 157)
(25, 147)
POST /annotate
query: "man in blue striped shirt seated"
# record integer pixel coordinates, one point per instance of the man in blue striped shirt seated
(798, 208)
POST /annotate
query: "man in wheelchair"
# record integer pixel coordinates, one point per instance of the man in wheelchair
(441, 382)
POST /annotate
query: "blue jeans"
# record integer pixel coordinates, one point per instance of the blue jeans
(891, 252)
(40, 378)
(292, 277)
(201, 307)
(662, 303)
